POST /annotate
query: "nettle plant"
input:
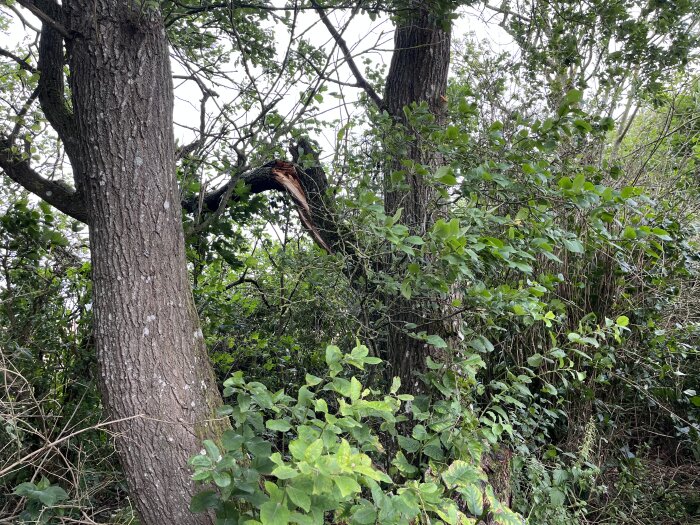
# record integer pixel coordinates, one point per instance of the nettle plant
(317, 458)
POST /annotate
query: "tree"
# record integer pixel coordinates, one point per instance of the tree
(117, 131)
(417, 75)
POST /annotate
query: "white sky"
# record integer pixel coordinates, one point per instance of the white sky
(361, 35)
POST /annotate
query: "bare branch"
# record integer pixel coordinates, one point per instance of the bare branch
(19, 122)
(361, 82)
(53, 444)
(252, 281)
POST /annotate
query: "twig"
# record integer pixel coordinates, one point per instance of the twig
(61, 440)
(361, 82)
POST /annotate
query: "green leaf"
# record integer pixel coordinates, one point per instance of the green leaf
(573, 245)
(549, 389)
(560, 476)
(274, 513)
(535, 360)
(661, 234)
(622, 321)
(446, 175)
(222, 479)
(504, 516)
(346, 485)
(278, 425)
(401, 463)
(414, 239)
(333, 355)
(313, 451)
(312, 380)
(461, 473)
(204, 500)
(481, 344)
(299, 497)
(628, 192)
(436, 341)
(364, 514)
(355, 389)
(408, 444)
(629, 233)
(557, 497)
(259, 447)
(573, 96)
(583, 125)
(519, 310)
(47, 494)
(298, 448)
(474, 498)
(406, 289)
(285, 472)
(212, 450)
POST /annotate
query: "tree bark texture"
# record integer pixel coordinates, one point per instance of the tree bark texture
(417, 73)
(152, 359)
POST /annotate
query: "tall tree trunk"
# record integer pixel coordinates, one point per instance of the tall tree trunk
(418, 73)
(152, 360)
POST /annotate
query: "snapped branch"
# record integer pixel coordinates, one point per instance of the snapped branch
(307, 186)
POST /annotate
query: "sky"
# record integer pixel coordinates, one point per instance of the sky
(366, 38)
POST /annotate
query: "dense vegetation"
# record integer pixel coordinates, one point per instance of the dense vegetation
(543, 290)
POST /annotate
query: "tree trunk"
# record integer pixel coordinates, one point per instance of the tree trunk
(152, 360)
(418, 73)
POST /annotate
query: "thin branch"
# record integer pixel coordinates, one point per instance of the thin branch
(252, 281)
(45, 10)
(19, 119)
(186, 149)
(362, 83)
(22, 19)
(23, 64)
(53, 444)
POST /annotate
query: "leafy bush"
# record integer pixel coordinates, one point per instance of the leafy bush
(324, 454)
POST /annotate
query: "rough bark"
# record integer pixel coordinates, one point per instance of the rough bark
(418, 73)
(152, 359)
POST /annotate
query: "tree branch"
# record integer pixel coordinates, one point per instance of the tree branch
(254, 282)
(49, 12)
(60, 196)
(361, 82)
(52, 88)
(307, 186)
(23, 64)
(19, 119)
